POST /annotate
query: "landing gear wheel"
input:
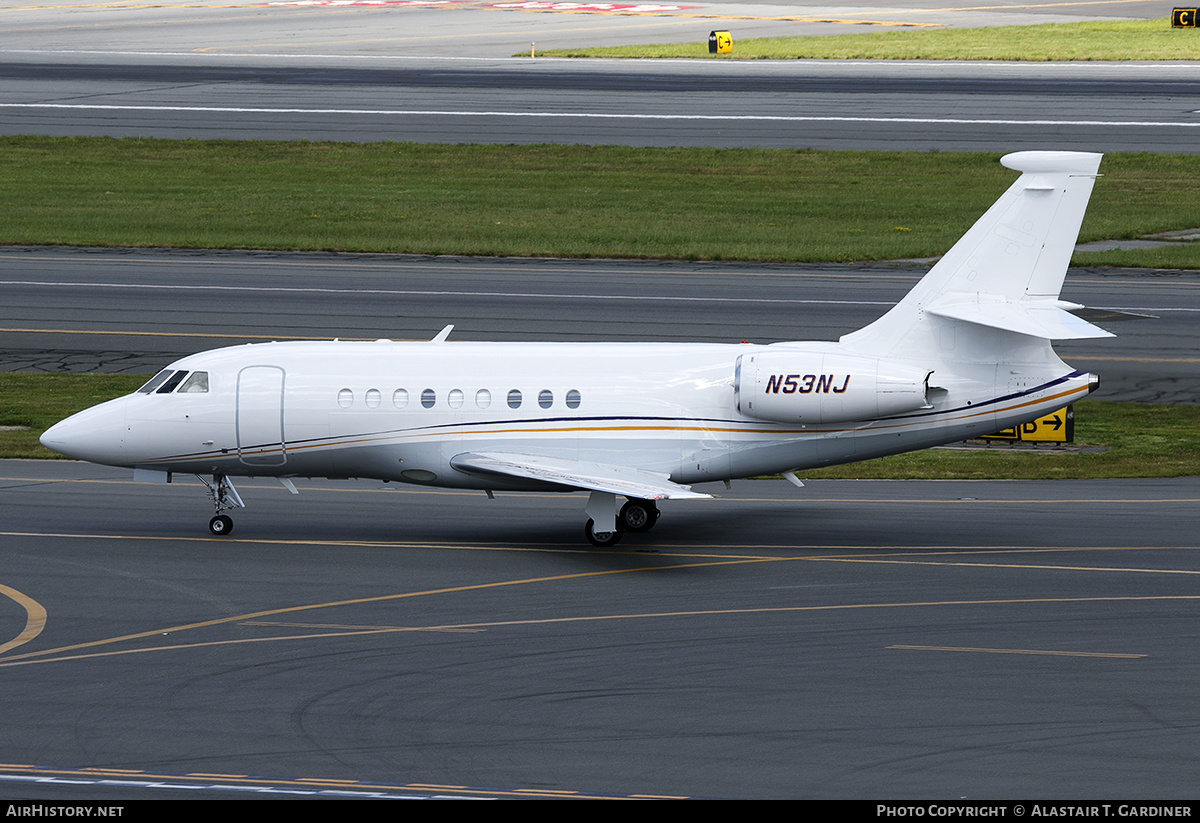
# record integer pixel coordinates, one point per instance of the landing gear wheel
(639, 515)
(601, 539)
(221, 525)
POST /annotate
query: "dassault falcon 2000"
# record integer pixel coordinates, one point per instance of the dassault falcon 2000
(966, 352)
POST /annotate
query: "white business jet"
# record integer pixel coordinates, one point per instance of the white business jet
(967, 352)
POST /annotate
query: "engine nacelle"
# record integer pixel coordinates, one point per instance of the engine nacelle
(795, 386)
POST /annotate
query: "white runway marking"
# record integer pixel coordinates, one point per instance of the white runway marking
(606, 116)
(416, 292)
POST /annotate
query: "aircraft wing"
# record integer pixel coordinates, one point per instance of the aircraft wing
(621, 480)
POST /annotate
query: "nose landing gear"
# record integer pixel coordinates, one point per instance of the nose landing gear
(224, 497)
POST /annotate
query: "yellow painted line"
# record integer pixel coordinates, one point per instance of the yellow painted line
(28, 659)
(24, 659)
(406, 488)
(1048, 652)
(826, 608)
(307, 782)
(975, 550)
(341, 626)
(219, 776)
(1139, 359)
(1038, 567)
(661, 550)
(35, 618)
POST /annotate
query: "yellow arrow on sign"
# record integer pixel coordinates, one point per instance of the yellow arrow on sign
(1058, 427)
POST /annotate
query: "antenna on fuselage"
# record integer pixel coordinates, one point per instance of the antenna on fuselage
(443, 334)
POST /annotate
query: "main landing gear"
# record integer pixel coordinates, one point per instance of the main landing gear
(636, 515)
(224, 496)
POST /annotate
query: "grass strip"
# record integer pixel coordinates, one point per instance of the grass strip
(1103, 40)
(558, 201)
(38, 401)
(1140, 440)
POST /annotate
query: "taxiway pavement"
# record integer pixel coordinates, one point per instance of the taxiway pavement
(851, 639)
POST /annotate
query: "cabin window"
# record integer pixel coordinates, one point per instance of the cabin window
(483, 398)
(455, 398)
(573, 398)
(428, 398)
(400, 398)
(514, 399)
(155, 381)
(345, 398)
(175, 380)
(373, 398)
(196, 384)
(545, 398)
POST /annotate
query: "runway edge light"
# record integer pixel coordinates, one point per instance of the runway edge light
(720, 42)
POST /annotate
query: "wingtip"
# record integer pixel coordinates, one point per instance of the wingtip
(1053, 162)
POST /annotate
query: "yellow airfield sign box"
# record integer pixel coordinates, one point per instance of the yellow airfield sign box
(1056, 427)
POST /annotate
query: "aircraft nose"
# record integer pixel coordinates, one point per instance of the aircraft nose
(96, 434)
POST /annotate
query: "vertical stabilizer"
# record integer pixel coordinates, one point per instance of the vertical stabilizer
(1007, 271)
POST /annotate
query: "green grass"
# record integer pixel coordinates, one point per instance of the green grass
(1110, 40)
(1139, 440)
(560, 201)
(41, 400)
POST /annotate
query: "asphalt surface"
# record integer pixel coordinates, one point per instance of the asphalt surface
(446, 73)
(134, 311)
(852, 639)
(771, 104)
(888, 640)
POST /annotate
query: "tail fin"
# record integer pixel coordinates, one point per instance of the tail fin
(1007, 271)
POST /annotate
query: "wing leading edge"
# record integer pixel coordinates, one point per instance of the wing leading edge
(598, 477)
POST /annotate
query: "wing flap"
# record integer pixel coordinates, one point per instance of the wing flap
(622, 480)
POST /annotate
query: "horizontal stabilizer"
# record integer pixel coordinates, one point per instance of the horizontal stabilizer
(621, 480)
(1048, 319)
(1006, 272)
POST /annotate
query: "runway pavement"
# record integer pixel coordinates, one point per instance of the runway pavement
(81, 310)
(851, 639)
(489, 28)
(446, 73)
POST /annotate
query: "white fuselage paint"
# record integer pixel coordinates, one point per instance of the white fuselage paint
(329, 410)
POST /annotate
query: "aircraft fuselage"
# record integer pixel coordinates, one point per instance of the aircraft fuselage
(403, 411)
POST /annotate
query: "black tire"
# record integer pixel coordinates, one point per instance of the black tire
(601, 539)
(221, 525)
(639, 515)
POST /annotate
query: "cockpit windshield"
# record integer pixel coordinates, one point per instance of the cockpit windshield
(155, 381)
(196, 384)
(168, 380)
(172, 382)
